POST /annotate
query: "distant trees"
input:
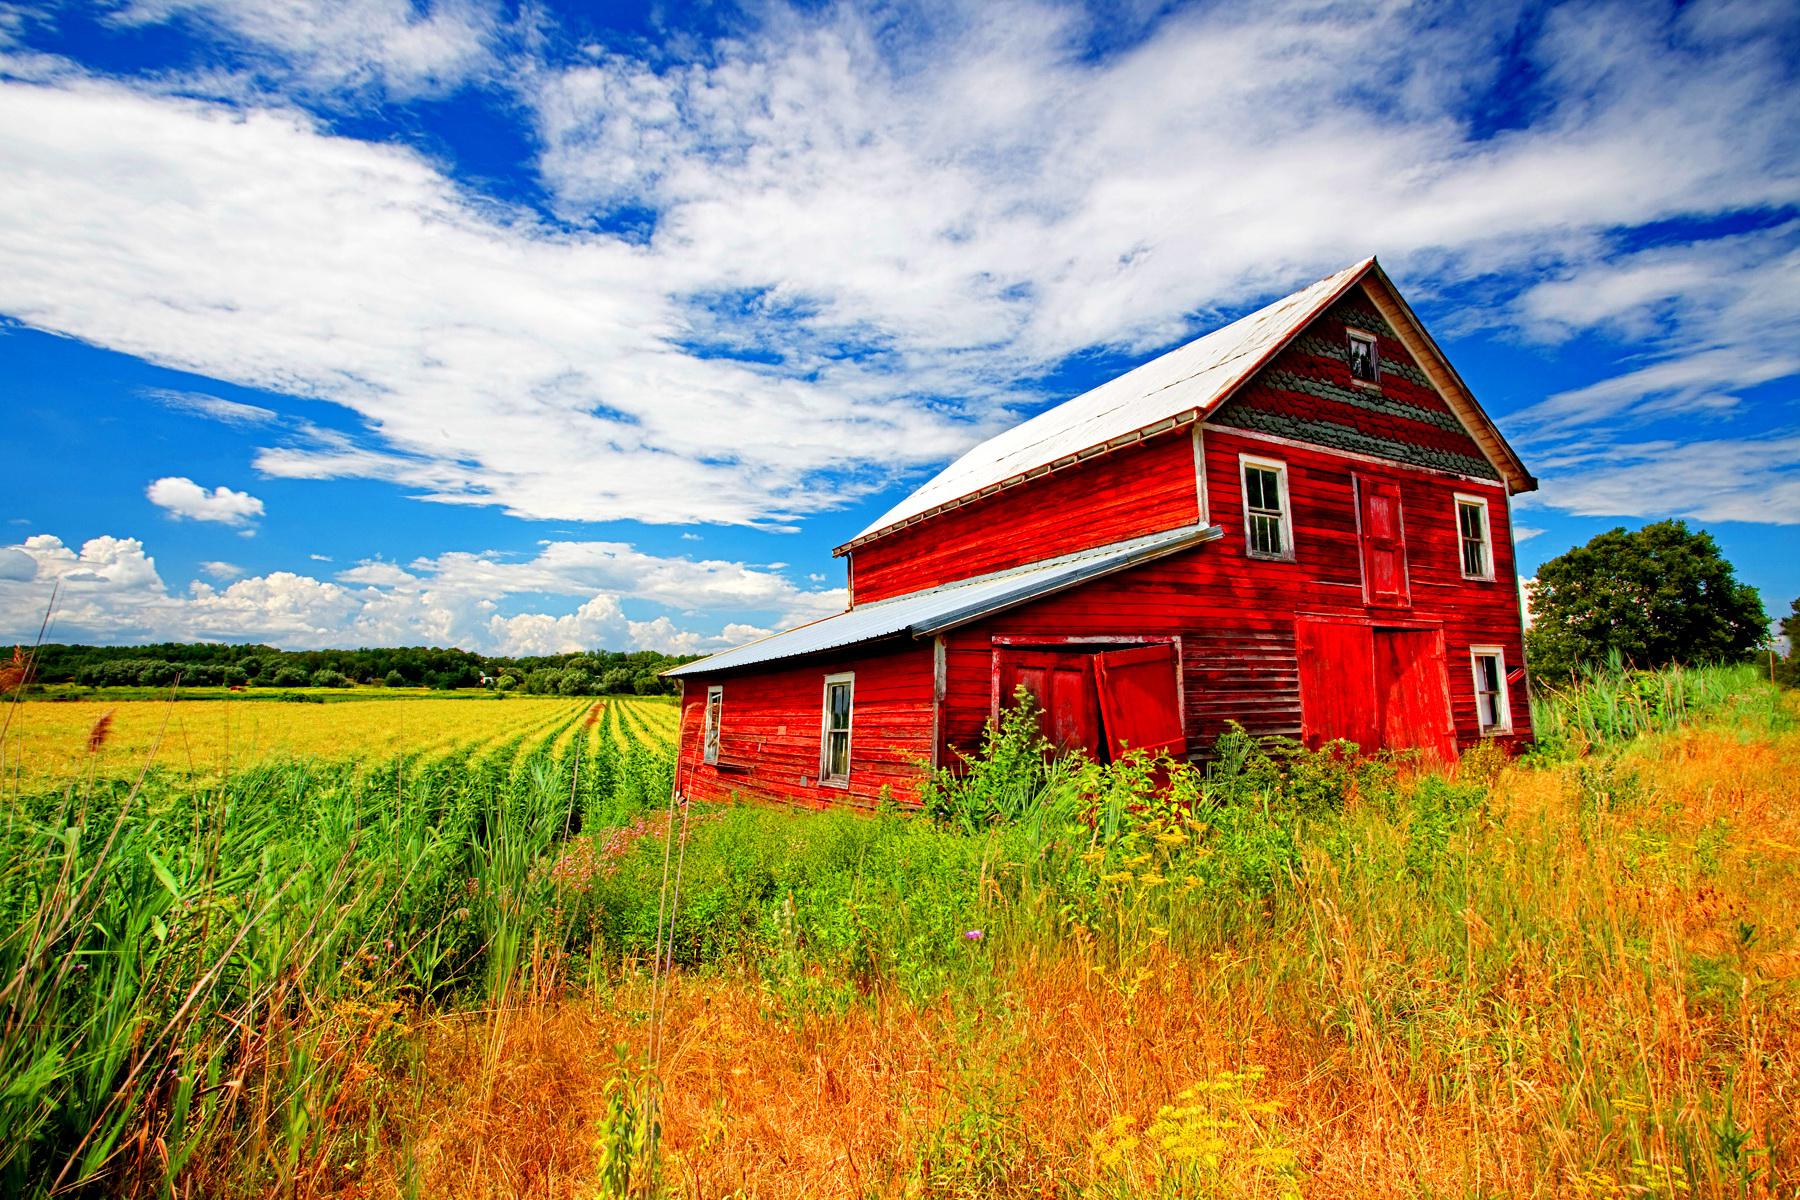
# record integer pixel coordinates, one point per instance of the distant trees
(1656, 595)
(205, 664)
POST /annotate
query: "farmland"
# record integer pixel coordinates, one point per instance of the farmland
(50, 741)
(376, 967)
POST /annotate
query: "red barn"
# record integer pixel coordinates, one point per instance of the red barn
(1300, 522)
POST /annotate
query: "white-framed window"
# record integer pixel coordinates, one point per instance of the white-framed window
(1473, 539)
(1268, 523)
(1493, 709)
(834, 740)
(715, 704)
(1365, 359)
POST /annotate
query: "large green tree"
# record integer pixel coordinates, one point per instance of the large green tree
(1655, 595)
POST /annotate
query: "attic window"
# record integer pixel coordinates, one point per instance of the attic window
(1365, 364)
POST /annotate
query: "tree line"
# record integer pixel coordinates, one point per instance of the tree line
(216, 664)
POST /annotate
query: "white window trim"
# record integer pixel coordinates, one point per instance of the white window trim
(1350, 331)
(709, 732)
(827, 780)
(1280, 468)
(1476, 653)
(1487, 534)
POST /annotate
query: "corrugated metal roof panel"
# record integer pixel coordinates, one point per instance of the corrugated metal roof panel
(921, 614)
(1190, 378)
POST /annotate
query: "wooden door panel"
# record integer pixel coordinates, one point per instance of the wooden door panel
(1063, 686)
(1337, 693)
(1412, 688)
(1383, 535)
(1140, 700)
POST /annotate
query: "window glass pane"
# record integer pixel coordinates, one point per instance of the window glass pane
(837, 754)
(840, 706)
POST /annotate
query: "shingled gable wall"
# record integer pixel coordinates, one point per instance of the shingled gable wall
(1306, 393)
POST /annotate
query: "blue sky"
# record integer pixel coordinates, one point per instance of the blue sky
(363, 322)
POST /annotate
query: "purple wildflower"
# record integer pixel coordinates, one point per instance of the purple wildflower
(974, 935)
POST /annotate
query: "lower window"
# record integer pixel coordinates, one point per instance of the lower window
(834, 748)
(715, 701)
(1493, 712)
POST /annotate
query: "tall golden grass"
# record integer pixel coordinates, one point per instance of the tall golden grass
(1615, 1012)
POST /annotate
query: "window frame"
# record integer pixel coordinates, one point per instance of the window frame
(710, 723)
(1352, 334)
(1503, 696)
(826, 779)
(1487, 536)
(1280, 469)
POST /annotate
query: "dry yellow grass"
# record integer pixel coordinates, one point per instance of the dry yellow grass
(50, 740)
(1624, 975)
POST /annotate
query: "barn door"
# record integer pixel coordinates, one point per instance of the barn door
(1337, 693)
(1063, 685)
(1383, 543)
(1139, 700)
(1412, 692)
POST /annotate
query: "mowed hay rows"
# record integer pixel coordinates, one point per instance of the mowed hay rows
(48, 741)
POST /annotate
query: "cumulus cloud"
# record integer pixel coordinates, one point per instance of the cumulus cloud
(182, 497)
(854, 237)
(110, 590)
(223, 571)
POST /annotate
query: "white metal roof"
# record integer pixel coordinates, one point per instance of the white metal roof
(924, 613)
(1190, 379)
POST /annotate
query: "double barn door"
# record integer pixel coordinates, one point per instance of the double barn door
(1375, 686)
(1104, 702)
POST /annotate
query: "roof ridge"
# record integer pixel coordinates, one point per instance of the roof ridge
(1079, 427)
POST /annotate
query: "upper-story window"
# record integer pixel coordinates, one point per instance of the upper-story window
(715, 704)
(1268, 524)
(834, 746)
(1365, 362)
(1473, 537)
(1493, 709)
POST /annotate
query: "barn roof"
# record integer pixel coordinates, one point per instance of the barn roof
(934, 610)
(1182, 385)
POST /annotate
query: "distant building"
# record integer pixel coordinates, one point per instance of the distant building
(1300, 522)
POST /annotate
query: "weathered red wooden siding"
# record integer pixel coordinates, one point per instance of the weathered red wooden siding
(1235, 614)
(1139, 489)
(770, 729)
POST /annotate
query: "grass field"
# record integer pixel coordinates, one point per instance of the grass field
(430, 975)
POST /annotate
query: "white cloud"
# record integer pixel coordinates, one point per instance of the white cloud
(320, 557)
(222, 571)
(1712, 480)
(961, 208)
(333, 46)
(182, 497)
(1715, 318)
(110, 591)
(230, 412)
(380, 574)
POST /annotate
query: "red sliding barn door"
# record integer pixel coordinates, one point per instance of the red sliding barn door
(1383, 542)
(1337, 670)
(1140, 700)
(1063, 686)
